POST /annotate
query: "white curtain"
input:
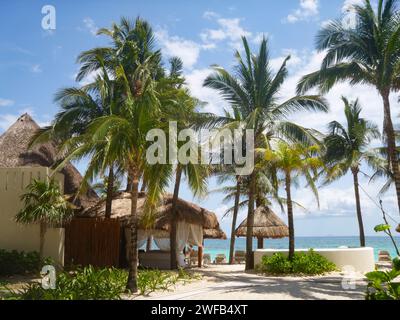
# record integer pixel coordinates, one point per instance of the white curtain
(195, 235)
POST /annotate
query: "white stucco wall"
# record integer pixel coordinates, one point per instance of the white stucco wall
(19, 237)
(359, 259)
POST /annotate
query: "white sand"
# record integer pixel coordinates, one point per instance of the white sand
(232, 283)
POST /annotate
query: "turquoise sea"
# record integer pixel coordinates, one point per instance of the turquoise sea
(214, 247)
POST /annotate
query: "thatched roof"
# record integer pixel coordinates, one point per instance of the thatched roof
(266, 225)
(15, 152)
(186, 211)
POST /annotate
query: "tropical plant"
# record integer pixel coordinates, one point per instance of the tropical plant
(308, 263)
(346, 149)
(15, 262)
(366, 53)
(382, 285)
(44, 204)
(295, 161)
(253, 92)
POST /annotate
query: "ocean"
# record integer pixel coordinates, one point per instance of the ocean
(214, 247)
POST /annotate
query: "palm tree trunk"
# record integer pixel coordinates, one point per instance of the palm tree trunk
(128, 184)
(290, 215)
(174, 222)
(391, 142)
(133, 248)
(358, 206)
(110, 193)
(234, 221)
(43, 229)
(250, 223)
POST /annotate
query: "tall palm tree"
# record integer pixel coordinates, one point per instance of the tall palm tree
(346, 149)
(79, 108)
(133, 64)
(44, 204)
(366, 53)
(253, 89)
(294, 161)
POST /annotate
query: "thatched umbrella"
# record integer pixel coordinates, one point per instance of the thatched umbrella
(186, 211)
(15, 152)
(266, 225)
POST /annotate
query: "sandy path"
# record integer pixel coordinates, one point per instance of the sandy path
(231, 283)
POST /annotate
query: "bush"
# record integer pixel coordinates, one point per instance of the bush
(18, 263)
(382, 285)
(309, 263)
(99, 284)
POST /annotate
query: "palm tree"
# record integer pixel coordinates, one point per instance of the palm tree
(120, 138)
(44, 204)
(253, 89)
(79, 108)
(346, 149)
(367, 53)
(294, 161)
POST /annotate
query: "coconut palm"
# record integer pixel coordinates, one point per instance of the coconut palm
(294, 161)
(366, 53)
(79, 108)
(44, 204)
(346, 149)
(253, 89)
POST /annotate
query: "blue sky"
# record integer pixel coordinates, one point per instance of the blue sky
(35, 63)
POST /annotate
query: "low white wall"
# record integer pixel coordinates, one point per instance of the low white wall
(360, 259)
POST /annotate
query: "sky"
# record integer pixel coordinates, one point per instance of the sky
(35, 63)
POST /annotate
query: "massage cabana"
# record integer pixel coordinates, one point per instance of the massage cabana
(267, 225)
(194, 224)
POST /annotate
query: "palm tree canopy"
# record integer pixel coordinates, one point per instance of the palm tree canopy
(253, 91)
(44, 202)
(366, 53)
(346, 146)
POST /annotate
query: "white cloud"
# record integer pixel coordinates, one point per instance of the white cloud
(187, 50)
(307, 9)
(90, 25)
(6, 120)
(6, 102)
(195, 80)
(36, 68)
(229, 30)
(348, 4)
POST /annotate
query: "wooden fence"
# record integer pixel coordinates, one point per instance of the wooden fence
(93, 242)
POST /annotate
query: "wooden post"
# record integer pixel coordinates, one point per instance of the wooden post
(149, 243)
(200, 257)
(260, 243)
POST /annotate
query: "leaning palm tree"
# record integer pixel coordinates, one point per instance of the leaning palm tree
(366, 53)
(44, 204)
(346, 149)
(253, 89)
(295, 161)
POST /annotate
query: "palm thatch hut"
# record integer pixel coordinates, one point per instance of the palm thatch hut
(194, 225)
(15, 153)
(160, 222)
(267, 225)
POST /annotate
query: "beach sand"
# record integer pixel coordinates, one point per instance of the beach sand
(232, 283)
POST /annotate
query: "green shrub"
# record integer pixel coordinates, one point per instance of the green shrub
(382, 285)
(309, 263)
(18, 263)
(99, 284)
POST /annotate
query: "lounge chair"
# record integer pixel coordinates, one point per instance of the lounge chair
(194, 257)
(206, 259)
(384, 256)
(220, 259)
(240, 257)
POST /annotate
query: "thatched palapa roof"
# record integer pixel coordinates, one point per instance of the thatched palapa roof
(266, 225)
(15, 152)
(186, 211)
